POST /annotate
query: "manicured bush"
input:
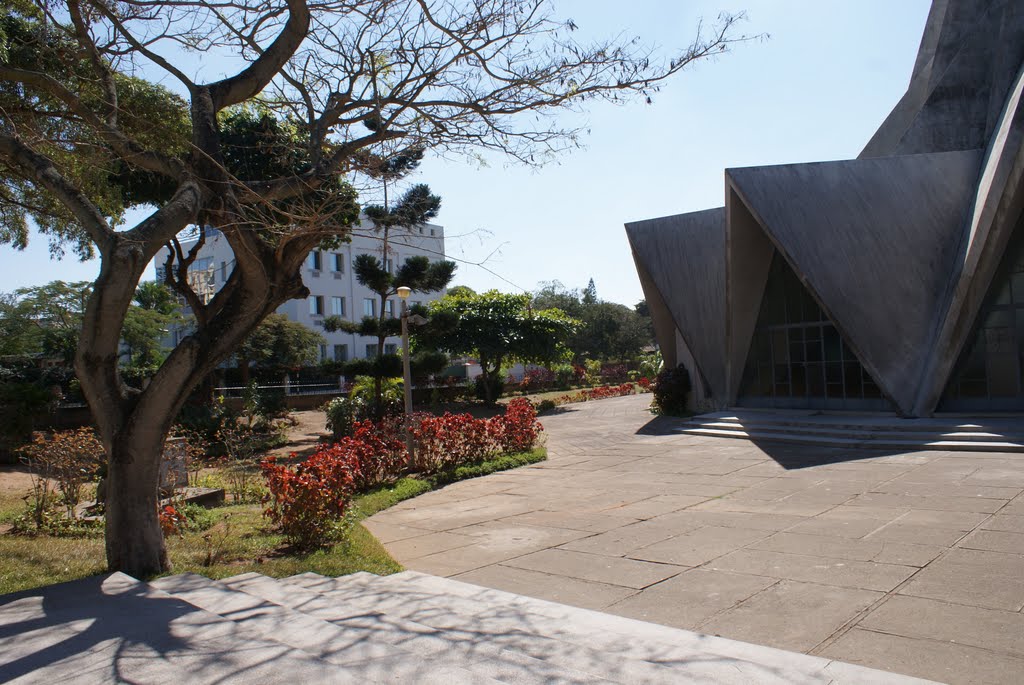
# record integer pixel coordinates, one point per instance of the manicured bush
(517, 429)
(671, 389)
(599, 393)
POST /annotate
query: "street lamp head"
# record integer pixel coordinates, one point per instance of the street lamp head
(404, 292)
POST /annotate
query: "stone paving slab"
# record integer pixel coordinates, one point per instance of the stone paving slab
(852, 529)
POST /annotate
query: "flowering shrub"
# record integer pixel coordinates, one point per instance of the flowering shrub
(308, 500)
(645, 384)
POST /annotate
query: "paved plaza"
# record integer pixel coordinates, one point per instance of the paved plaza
(912, 563)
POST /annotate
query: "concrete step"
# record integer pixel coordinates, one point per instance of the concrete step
(875, 442)
(852, 433)
(467, 652)
(113, 628)
(317, 582)
(621, 649)
(884, 423)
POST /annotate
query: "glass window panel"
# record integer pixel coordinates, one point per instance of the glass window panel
(796, 352)
(814, 352)
(834, 373)
(799, 375)
(851, 378)
(999, 318)
(779, 346)
(815, 380)
(1003, 294)
(833, 346)
(1017, 287)
(871, 390)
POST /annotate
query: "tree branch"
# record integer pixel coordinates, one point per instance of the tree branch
(256, 76)
(43, 171)
(130, 151)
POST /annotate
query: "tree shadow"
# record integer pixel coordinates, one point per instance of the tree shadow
(116, 629)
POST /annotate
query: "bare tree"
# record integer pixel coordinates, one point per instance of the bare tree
(84, 133)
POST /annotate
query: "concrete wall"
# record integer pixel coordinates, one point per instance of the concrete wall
(682, 258)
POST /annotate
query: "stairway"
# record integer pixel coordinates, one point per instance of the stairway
(404, 628)
(867, 431)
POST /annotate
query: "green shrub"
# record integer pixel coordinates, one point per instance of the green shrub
(564, 375)
(545, 405)
(480, 389)
(650, 365)
(391, 395)
(670, 391)
(342, 413)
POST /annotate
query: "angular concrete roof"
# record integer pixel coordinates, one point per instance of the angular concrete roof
(995, 215)
(969, 56)
(874, 240)
(683, 257)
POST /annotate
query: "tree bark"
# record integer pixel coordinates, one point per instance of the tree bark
(134, 540)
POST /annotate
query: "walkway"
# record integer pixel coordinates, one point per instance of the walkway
(912, 563)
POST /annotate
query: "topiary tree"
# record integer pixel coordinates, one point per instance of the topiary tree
(496, 328)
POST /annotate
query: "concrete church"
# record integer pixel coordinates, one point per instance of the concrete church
(894, 281)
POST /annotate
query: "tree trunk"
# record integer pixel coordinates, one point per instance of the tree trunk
(134, 541)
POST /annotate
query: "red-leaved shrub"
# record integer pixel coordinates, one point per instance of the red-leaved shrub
(307, 500)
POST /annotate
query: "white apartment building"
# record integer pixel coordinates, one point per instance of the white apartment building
(331, 280)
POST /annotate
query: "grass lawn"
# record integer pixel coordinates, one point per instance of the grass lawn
(239, 541)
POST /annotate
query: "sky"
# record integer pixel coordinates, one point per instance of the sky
(814, 87)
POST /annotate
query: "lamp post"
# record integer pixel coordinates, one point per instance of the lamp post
(403, 295)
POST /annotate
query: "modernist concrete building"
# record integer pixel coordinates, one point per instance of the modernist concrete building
(332, 284)
(894, 281)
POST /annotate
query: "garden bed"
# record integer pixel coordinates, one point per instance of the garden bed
(235, 539)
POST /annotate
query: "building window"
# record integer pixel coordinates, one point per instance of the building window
(371, 350)
(389, 265)
(369, 306)
(315, 261)
(224, 272)
(339, 262)
(316, 305)
(433, 233)
(323, 353)
(338, 306)
(341, 353)
(390, 348)
(389, 308)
